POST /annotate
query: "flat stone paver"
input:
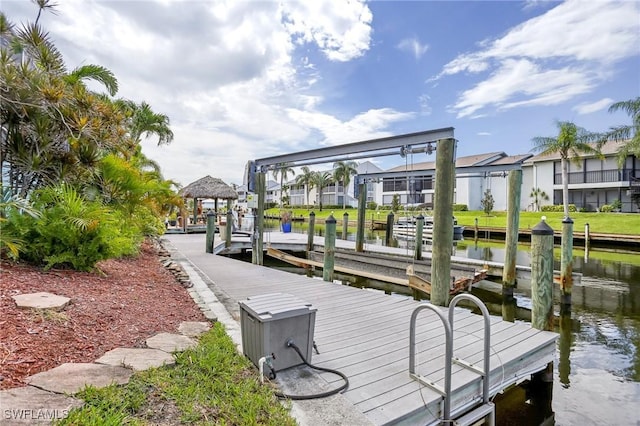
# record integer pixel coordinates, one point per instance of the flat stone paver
(193, 328)
(170, 342)
(137, 359)
(30, 405)
(41, 300)
(71, 378)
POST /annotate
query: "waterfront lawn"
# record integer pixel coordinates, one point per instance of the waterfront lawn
(606, 223)
(211, 384)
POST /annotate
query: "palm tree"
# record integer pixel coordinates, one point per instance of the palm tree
(283, 170)
(306, 179)
(342, 172)
(571, 142)
(538, 194)
(624, 132)
(320, 180)
(144, 122)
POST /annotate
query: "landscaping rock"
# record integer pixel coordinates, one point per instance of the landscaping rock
(137, 359)
(71, 378)
(41, 300)
(170, 342)
(30, 405)
(193, 328)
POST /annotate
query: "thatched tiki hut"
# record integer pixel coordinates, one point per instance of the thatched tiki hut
(208, 187)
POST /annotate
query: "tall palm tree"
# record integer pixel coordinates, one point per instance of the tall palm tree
(342, 172)
(306, 179)
(320, 180)
(624, 132)
(145, 122)
(282, 170)
(571, 142)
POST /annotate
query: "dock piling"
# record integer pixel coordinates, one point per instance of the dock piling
(388, 235)
(542, 276)
(566, 264)
(345, 225)
(442, 222)
(511, 240)
(329, 248)
(229, 225)
(362, 210)
(211, 230)
(419, 228)
(312, 224)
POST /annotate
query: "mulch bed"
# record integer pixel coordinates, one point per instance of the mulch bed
(134, 299)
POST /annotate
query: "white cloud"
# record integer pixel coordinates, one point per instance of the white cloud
(234, 77)
(549, 59)
(588, 108)
(483, 134)
(413, 46)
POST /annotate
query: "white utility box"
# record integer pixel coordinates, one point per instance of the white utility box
(269, 321)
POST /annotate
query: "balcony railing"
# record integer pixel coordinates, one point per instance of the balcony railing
(596, 176)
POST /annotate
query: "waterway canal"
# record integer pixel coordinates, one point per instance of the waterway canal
(596, 377)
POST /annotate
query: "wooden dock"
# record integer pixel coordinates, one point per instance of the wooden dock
(365, 334)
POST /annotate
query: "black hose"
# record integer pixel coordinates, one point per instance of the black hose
(315, 395)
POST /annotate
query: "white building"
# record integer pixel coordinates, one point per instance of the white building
(593, 182)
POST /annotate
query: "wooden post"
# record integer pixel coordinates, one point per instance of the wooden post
(419, 228)
(511, 240)
(475, 232)
(362, 210)
(388, 235)
(345, 225)
(229, 225)
(542, 276)
(442, 223)
(586, 242)
(258, 242)
(211, 230)
(329, 248)
(566, 265)
(312, 224)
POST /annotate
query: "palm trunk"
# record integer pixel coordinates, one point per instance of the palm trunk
(565, 186)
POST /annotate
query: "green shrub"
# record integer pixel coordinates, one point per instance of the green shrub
(73, 232)
(558, 208)
(606, 208)
(460, 208)
(372, 205)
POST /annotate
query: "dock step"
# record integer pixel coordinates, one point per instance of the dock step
(485, 410)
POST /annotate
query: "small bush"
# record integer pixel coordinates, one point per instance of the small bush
(606, 208)
(558, 208)
(460, 208)
(372, 205)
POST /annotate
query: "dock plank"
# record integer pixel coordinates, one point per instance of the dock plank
(365, 334)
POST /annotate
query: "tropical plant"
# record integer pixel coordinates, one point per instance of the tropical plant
(538, 195)
(10, 204)
(487, 202)
(320, 181)
(282, 170)
(342, 172)
(572, 141)
(629, 133)
(72, 231)
(306, 179)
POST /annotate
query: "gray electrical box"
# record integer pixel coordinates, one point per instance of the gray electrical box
(269, 321)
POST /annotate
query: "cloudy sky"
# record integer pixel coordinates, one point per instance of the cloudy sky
(249, 79)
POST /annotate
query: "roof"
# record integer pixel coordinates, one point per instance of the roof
(209, 187)
(467, 161)
(610, 148)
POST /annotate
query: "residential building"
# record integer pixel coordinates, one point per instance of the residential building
(593, 181)
(470, 186)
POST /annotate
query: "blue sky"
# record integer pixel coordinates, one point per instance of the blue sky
(248, 79)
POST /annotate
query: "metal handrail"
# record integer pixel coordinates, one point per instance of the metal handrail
(487, 339)
(448, 353)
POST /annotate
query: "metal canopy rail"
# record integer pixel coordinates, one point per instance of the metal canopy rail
(373, 147)
(461, 172)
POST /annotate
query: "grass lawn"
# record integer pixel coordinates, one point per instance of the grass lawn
(607, 223)
(211, 384)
